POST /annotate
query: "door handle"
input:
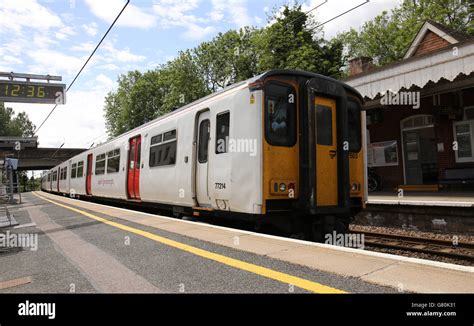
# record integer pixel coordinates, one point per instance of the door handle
(332, 153)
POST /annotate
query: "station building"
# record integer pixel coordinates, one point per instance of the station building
(420, 112)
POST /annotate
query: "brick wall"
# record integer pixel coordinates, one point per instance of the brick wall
(389, 129)
(429, 43)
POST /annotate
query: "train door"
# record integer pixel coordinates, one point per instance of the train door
(58, 178)
(202, 164)
(89, 175)
(326, 152)
(133, 175)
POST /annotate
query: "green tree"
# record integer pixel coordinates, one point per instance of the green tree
(294, 41)
(11, 125)
(387, 37)
(228, 58)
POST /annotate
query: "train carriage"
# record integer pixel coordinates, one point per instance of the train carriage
(285, 148)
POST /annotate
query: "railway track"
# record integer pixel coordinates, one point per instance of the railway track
(445, 248)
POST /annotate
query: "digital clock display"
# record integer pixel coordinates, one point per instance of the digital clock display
(29, 92)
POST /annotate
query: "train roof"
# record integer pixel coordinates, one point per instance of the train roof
(261, 77)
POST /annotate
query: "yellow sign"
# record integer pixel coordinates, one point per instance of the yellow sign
(252, 99)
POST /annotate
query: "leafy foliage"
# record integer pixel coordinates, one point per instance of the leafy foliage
(17, 126)
(387, 37)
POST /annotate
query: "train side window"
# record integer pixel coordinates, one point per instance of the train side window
(80, 169)
(324, 125)
(65, 173)
(113, 161)
(73, 171)
(163, 149)
(355, 138)
(204, 134)
(100, 164)
(222, 132)
(280, 114)
(49, 177)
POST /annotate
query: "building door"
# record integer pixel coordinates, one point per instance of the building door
(326, 152)
(89, 175)
(133, 176)
(419, 150)
(413, 172)
(202, 164)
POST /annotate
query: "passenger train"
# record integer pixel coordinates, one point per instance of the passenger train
(285, 148)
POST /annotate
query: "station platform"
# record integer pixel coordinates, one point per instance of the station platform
(443, 199)
(89, 247)
(443, 211)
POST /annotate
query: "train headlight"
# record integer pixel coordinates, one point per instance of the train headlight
(282, 187)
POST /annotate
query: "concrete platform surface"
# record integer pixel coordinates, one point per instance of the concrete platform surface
(401, 273)
(442, 198)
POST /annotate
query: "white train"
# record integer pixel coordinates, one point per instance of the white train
(284, 147)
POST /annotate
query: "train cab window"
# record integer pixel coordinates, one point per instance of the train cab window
(323, 125)
(73, 171)
(65, 173)
(163, 149)
(80, 169)
(204, 135)
(61, 174)
(113, 161)
(280, 114)
(55, 175)
(100, 164)
(49, 177)
(355, 141)
(222, 132)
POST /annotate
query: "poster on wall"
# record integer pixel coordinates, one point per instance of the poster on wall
(382, 154)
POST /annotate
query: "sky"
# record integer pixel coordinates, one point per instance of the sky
(56, 36)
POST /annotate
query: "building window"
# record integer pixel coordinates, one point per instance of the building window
(280, 114)
(463, 135)
(80, 169)
(163, 149)
(222, 132)
(382, 153)
(113, 161)
(100, 164)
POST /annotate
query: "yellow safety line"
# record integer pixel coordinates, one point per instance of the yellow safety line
(252, 268)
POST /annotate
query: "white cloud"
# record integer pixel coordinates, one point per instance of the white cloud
(133, 16)
(87, 47)
(235, 10)
(113, 54)
(105, 81)
(15, 15)
(178, 14)
(354, 19)
(8, 59)
(54, 62)
(90, 29)
(109, 66)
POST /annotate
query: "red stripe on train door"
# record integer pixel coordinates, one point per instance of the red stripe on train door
(133, 174)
